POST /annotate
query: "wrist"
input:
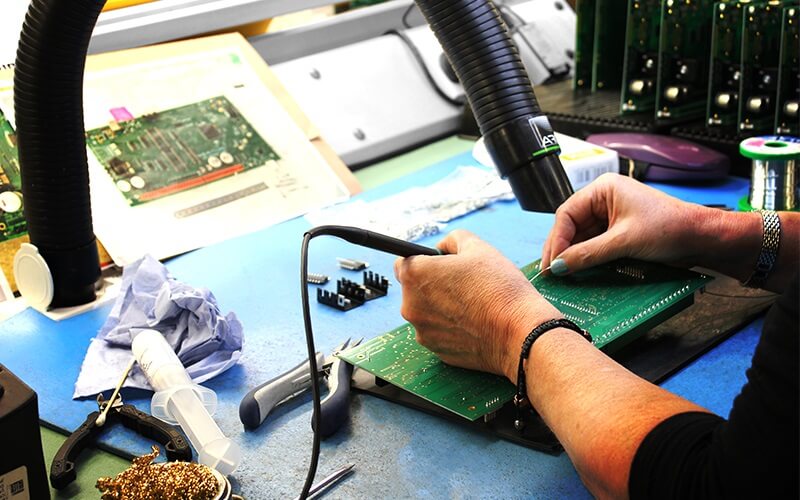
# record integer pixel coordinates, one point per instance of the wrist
(527, 319)
(521, 398)
(728, 242)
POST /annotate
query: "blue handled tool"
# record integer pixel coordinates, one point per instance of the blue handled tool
(335, 407)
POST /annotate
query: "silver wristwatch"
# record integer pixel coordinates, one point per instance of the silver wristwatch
(769, 249)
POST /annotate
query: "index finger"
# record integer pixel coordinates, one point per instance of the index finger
(577, 213)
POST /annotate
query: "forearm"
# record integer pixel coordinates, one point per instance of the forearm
(599, 410)
(730, 242)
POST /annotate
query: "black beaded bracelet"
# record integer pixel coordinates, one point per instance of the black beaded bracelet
(520, 398)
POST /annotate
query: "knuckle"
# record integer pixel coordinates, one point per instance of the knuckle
(410, 313)
(398, 268)
(609, 177)
(406, 311)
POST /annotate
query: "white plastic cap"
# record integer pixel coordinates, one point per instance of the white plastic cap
(34, 280)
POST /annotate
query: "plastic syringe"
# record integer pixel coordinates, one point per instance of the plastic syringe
(179, 400)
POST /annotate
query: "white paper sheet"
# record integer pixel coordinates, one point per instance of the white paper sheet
(12, 13)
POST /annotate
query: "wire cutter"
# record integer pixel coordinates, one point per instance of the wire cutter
(335, 407)
(62, 470)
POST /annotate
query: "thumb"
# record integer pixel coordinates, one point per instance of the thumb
(608, 246)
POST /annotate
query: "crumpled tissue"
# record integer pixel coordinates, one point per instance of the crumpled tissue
(206, 342)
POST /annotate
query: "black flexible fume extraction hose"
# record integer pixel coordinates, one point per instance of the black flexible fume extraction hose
(48, 102)
(517, 133)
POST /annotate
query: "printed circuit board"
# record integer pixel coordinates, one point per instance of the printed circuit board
(12, 220)
(163, 153)
(615, 303)
(640, 65)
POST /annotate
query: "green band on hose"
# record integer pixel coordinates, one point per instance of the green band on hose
(546, 150)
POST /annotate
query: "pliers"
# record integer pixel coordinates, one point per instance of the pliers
(62, 470)
(335, 407)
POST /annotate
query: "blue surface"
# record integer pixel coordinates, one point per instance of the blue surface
(398, 452)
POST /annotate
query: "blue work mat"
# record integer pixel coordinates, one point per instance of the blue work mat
(398, 452)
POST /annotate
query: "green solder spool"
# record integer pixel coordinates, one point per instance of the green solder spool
(774, 180)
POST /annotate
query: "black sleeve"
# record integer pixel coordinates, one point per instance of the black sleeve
(754, 454)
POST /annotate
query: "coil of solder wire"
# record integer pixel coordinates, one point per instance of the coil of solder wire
(774, 178)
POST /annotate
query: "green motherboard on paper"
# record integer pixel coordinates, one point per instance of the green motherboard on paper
(12, 220)
(615, 303)
(163, 153)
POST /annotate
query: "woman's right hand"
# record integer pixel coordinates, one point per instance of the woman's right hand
(615, 217)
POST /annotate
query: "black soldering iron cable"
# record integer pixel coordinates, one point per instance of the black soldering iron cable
(363, 238)
(312, 366)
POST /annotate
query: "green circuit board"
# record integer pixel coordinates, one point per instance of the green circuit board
(398, 359)
(615, 303)
(722, 107)
(609, 44)
(684, 45)
(640, 62)
(12, 219)
(787, 121)
(163, 153)
(761, 42)
(584, 44)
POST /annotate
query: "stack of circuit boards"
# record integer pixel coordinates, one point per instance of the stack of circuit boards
(615, 303)
(730, 65)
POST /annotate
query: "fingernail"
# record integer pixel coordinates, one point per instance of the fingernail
(559, 267)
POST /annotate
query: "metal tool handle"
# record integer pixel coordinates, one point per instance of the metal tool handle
(335, 407)
(257, 403)
(175, 444)
(62, 469)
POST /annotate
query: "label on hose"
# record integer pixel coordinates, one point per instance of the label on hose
(543, 134)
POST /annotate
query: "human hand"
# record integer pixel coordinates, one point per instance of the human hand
(472, 306)
(615, 217)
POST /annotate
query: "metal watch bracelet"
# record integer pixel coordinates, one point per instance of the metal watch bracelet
(769, 249)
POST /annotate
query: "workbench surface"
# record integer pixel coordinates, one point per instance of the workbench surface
(397, 452)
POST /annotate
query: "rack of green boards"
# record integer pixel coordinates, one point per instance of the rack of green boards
(731, 64)
(615, 303)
